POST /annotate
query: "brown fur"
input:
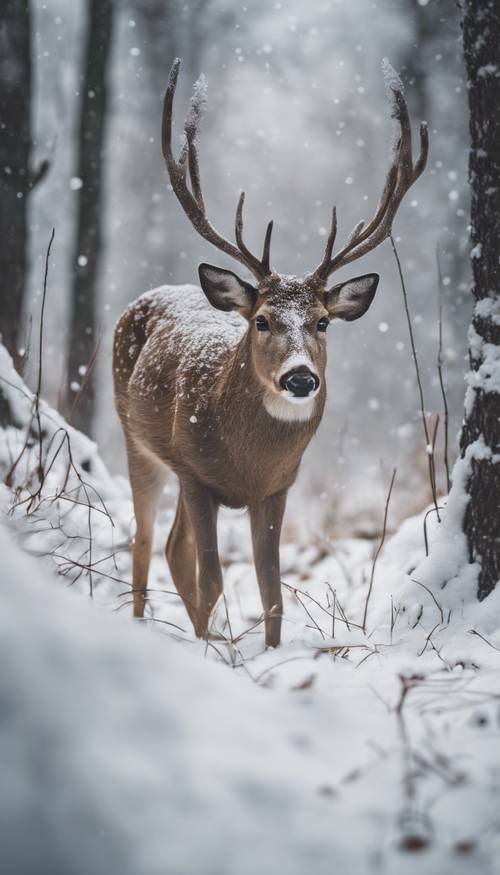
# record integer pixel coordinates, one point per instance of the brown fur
(233, 453)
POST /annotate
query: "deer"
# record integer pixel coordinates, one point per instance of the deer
(224, 385)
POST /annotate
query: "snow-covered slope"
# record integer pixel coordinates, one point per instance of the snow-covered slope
(129, 749)
(122, 753)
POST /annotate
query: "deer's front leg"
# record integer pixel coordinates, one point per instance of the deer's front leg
(202, 510)
(266, 519)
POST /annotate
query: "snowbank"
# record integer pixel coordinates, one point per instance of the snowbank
(128, 749)
(122, 753)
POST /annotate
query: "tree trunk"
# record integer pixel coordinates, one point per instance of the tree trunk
(88, 243)
(480, 439)
(15, 142)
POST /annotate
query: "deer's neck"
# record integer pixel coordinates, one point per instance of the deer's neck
(243, 401)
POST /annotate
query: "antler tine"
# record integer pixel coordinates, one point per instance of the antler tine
(194, 174)
(192, 201)
(424, 151)
(355, 233)
(259, 268)
(329, 244)
(196, 107)
(267, 248)
(400, 113)
(166, 121)
(400, 177)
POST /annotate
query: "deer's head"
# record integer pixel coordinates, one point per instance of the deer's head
(288, 316)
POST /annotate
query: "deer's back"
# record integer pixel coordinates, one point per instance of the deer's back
(170, 346)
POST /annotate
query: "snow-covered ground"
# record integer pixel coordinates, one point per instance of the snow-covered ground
(135, 748)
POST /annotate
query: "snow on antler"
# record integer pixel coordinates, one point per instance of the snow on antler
(197, 106)
(393, 88)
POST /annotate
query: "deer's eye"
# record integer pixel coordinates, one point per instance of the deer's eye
(323, 324)
(261, 323)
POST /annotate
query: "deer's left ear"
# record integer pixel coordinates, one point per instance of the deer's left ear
(351, 299)
(225, 290)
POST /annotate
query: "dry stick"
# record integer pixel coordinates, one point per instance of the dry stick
(301, 603)
(89, 368)
(474, 632)
(346, 621)
(333, 611)
(428, 640)
(440, 372)
(40, 358)
(343, 619)
(428, 445)
(433, 597)
(435, 432)
(35, 410)
(426, 538)
(394, 617)
(379, 548)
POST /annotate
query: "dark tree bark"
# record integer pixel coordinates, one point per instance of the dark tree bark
(15, 143)
(480, 439)
(88, 243)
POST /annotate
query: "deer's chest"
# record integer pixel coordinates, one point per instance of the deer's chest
(244, 461)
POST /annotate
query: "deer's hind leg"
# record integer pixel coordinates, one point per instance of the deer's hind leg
(193, 555)
(147, 479)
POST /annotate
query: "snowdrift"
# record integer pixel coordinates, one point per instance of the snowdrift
(138, 749)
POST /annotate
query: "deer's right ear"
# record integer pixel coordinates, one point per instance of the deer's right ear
(225, 290)
(351, 299)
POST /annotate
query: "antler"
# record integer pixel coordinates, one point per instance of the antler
(400, 177)
(192, 200)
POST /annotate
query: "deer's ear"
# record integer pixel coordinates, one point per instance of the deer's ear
(225, 290)
(351, 299)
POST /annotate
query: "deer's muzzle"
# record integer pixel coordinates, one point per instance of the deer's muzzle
(300, 382)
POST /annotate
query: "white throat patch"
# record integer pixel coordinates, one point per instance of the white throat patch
(287, 408)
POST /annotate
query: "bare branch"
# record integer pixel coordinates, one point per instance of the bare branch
(379, 548)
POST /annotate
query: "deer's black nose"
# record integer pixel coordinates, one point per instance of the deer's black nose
(300, 382)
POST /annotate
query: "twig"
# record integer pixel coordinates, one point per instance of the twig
(428, 444)
(89, 368)
(35, 410)
(316, 625)
(440, 372)
(426, 539)
(428, 640)
(379, 548)
(163, 622)
(343, 618)
(438, 606)
(473, 632)
(40, 358)
(334, 605)
(394, 616)
(408, 682)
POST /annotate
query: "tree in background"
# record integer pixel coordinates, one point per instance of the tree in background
(88, 241)
(15, 181)
(480, 439)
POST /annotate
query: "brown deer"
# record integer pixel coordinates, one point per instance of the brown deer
(227, 388)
